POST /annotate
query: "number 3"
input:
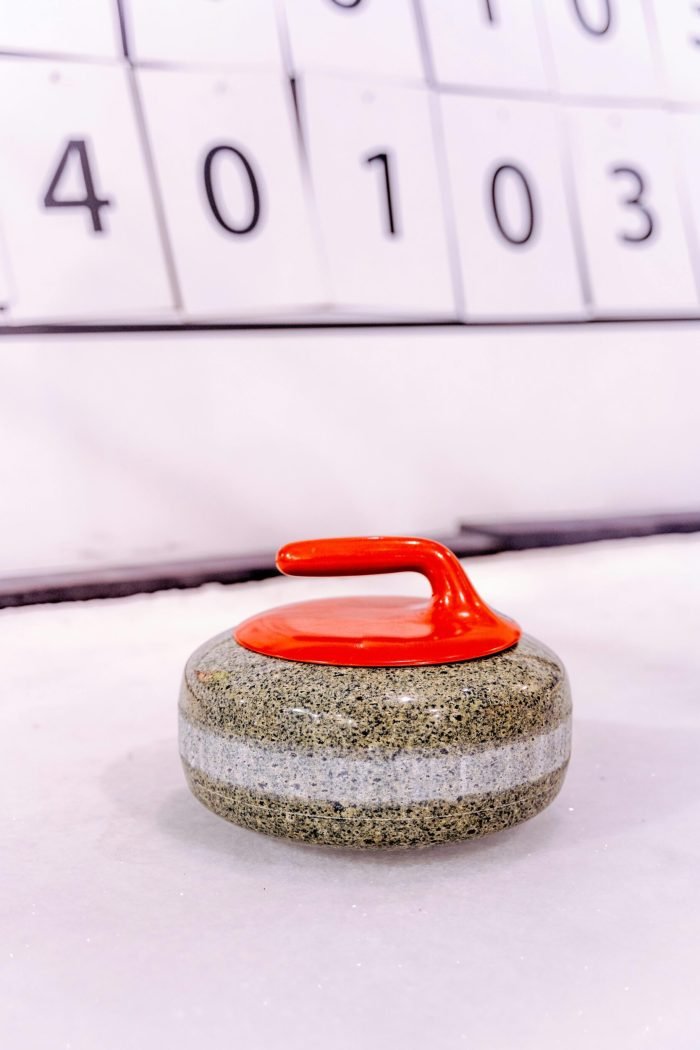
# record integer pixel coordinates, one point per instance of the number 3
(635, 201)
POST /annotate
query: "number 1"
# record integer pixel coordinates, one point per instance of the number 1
(383, 159)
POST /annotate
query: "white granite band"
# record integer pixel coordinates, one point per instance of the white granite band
(375, 778)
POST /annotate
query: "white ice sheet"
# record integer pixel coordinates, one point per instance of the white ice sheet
(131, 917)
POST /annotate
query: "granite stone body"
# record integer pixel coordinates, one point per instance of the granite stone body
(375, 756)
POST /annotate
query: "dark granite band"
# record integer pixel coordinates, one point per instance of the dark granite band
(390, 827)
(480, 703)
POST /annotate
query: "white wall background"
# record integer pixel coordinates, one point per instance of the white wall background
(121, 449)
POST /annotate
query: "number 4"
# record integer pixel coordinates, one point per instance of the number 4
(90, 201)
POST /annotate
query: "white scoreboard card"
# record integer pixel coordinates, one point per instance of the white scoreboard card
(76, 205)
(634, 232)
(677, 24)
(5, 282)
(485, 43)
(355, 36)
(237, 33)
(511, 216)
(378, 194)
(88, 28)
(236, 205)
(600, 47)
(687, 137)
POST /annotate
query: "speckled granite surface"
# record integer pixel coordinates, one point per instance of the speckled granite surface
(373, 757)
(362, 827)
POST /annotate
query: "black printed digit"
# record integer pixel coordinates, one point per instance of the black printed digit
(384, 160)
(215, 156)
(695, 39)
(77, 148)
(595, 26)
(635, 200)
(489, 6)
(504, 175)
(347, 4)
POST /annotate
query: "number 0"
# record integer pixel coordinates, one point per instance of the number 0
(517, 178)
(595, 29)
(254, 218)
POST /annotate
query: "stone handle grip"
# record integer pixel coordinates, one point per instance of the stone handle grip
(363, 555)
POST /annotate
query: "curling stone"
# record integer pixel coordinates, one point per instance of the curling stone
(379, 721)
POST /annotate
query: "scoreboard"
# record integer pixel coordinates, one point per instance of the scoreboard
(224, 162)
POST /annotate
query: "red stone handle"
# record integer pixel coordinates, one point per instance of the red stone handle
(379, 631)
(363, 555)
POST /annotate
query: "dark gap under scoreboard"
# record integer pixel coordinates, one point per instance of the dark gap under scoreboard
(339, 161)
